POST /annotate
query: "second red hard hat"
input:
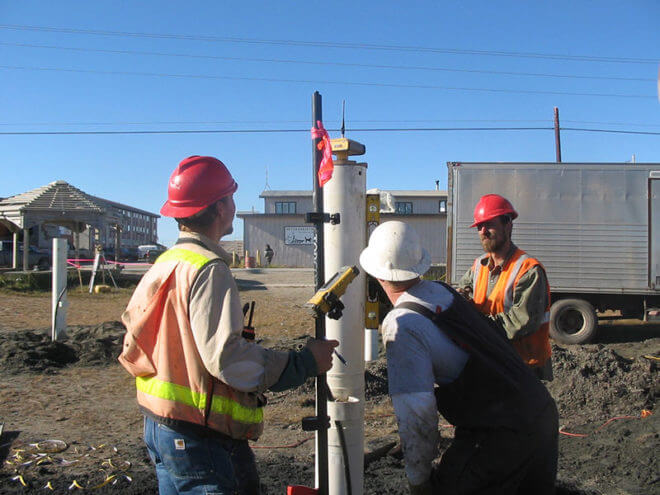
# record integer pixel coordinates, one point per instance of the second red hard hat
(197, 182)
(492, 206)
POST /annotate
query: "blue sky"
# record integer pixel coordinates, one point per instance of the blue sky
(214, 65)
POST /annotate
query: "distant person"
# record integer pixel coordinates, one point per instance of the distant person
(509, 286)
(269, 253)
(442, 355)
(199, 382)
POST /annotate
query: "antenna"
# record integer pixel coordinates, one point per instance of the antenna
(267, 186)
(343, 115)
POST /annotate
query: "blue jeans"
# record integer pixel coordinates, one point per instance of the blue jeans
(190, 463)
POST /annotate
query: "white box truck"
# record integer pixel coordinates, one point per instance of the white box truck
(594, 226)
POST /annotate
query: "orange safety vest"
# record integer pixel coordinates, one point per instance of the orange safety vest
(533, 348)
(159, 350)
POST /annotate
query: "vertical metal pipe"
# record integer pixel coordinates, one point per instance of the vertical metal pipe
(319, 274)
(59, 288)
(557, 139)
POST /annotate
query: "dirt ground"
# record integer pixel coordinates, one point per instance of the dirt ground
(71, 420)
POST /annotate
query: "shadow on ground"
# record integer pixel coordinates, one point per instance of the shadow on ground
(6, 441)
(250, 284)
(626, 331)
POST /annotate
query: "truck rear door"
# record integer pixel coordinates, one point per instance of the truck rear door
(654, 230)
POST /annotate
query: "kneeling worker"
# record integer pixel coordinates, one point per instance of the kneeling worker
(199, 382)
(443, 356)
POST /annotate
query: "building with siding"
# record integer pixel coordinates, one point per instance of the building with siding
(283, 227)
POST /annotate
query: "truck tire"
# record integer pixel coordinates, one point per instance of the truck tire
(573, 321)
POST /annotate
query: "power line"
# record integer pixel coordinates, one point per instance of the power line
(328, 44)
(611, 131)
(609, 123)
(334, 64)
(312, 81)
(282, 131)
(354, 121)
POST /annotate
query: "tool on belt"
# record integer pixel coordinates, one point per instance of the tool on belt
(248, 330)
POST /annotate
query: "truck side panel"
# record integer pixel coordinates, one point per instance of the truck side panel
(587, 223)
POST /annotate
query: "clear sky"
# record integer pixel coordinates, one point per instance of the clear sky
(74, 67)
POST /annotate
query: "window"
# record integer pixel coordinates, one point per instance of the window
(403, 207)
(442, 206)
(285, 207)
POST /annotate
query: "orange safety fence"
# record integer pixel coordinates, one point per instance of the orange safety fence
(78, 262)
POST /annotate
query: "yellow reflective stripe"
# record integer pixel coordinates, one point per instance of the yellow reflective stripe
(178, 254)
(224, 405)
(184, 395)
(170, 391)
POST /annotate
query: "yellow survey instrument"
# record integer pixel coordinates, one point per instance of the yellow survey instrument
(326, 300)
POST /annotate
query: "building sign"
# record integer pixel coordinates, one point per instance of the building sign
(299, 235)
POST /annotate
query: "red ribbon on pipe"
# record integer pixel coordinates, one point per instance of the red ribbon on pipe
(327, 166)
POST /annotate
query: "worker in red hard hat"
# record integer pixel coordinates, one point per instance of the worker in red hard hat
(199, 383)
(509, 286)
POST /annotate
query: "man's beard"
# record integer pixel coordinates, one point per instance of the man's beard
(492, 245)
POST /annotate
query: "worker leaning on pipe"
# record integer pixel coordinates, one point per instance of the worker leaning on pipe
(443, 356)
(509, 286)
(199, 382)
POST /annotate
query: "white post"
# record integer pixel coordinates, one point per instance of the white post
(370, 344)
(95, 267)
(14, 254)
(345, 194)
(60, 302)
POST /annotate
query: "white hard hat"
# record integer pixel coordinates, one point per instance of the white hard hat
(395, 253)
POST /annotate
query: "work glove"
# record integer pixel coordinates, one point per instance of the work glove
(423, 489)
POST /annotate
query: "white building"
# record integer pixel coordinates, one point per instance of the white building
(283, 227)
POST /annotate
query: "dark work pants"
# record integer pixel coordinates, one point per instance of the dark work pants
(501, 462)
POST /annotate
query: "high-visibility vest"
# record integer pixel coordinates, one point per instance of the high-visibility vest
(533, 348)
(159, 350)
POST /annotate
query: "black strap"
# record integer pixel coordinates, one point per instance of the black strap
(472, 331)
(418, 308)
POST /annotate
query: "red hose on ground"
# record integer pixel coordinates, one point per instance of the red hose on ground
(644, 414)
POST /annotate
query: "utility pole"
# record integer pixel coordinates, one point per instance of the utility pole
(557, 139)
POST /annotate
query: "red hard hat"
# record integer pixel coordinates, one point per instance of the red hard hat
(492, 206)
(198, 182)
